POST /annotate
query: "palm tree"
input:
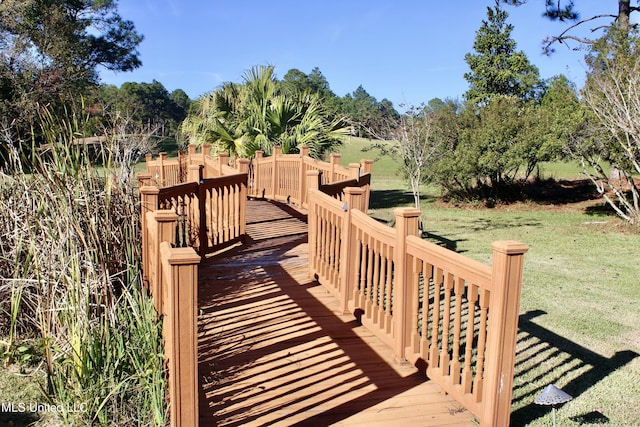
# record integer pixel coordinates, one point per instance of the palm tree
(259, 114)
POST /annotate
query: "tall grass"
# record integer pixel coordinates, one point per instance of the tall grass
(70, 279)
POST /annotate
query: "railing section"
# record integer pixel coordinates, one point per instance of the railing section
(172, 275)
(452, 316)
(285, 177)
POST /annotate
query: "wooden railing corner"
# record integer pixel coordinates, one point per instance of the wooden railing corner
(507, 269)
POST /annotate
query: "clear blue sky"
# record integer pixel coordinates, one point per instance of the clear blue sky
(406, 51)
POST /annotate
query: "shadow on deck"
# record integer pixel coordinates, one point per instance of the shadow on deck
(274, 348)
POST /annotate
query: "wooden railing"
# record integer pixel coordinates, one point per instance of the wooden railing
(287, 177)
(454, 317)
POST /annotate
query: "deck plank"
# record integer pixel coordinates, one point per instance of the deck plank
(274, 348)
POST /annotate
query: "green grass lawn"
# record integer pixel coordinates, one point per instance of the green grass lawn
(580, 315)
(580, 321)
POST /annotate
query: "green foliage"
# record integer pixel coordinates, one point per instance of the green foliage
(70, 245)
(612, 94)
(50, 50)
(369, 117)
(261, 113)
(148, 107)
(497, 69)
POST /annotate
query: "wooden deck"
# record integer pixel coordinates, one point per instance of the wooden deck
(275, 350)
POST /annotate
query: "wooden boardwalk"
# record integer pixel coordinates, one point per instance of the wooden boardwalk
(275, 350)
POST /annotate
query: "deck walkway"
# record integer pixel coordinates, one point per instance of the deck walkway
(275, 350)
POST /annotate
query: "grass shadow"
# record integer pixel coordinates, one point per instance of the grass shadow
(564, 361)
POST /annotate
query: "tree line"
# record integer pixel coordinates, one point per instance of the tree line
(482, 146)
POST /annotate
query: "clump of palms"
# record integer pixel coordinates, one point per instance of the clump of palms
(262, 113)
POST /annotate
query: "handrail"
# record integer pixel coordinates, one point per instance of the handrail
(454, 317)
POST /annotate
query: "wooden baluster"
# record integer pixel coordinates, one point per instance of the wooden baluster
(467, 375)
(457, 322)
(478, 381)
(446, 322)
(433, 350)
(414, 303)
(427, 276)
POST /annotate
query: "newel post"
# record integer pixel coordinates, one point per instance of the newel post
(353, 199)
(160, 162)
(243, 165)
(180, 332)
(195, 173)
(144, 179)
(148, 203)
(504, 305)
(313, 177)
(334, 160)
(206, 150)
(354, 171)
(223, 160)
(258, 185)
(164, 231)
(277, 150)
(406, 225)
(304, 153)
(191, 151)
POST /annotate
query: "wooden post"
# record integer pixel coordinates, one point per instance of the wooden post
(223, 160)
(257, 179)
(191, 150)
(504, 305)
(243, 165)
(354, 170)
(353, 198)
(160, 172)
(165, 231)
(334, 161)
(406, 225)
(314, 178)
(181, 338)
(144, 179)
(277, 150)
(304, 153)
(148, 203)
(367, 166)
(206, 150)
(195, 173)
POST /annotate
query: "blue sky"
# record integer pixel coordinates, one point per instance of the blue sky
(406, 51)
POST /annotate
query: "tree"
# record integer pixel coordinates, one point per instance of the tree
(496, 138)
(610, 137)
(260, 113)
(412, 142)
(50, 50)
(612, 92)
(369, 117)
(565, 11)
(497, 69)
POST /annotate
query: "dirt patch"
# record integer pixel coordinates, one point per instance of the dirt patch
(562, 195)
